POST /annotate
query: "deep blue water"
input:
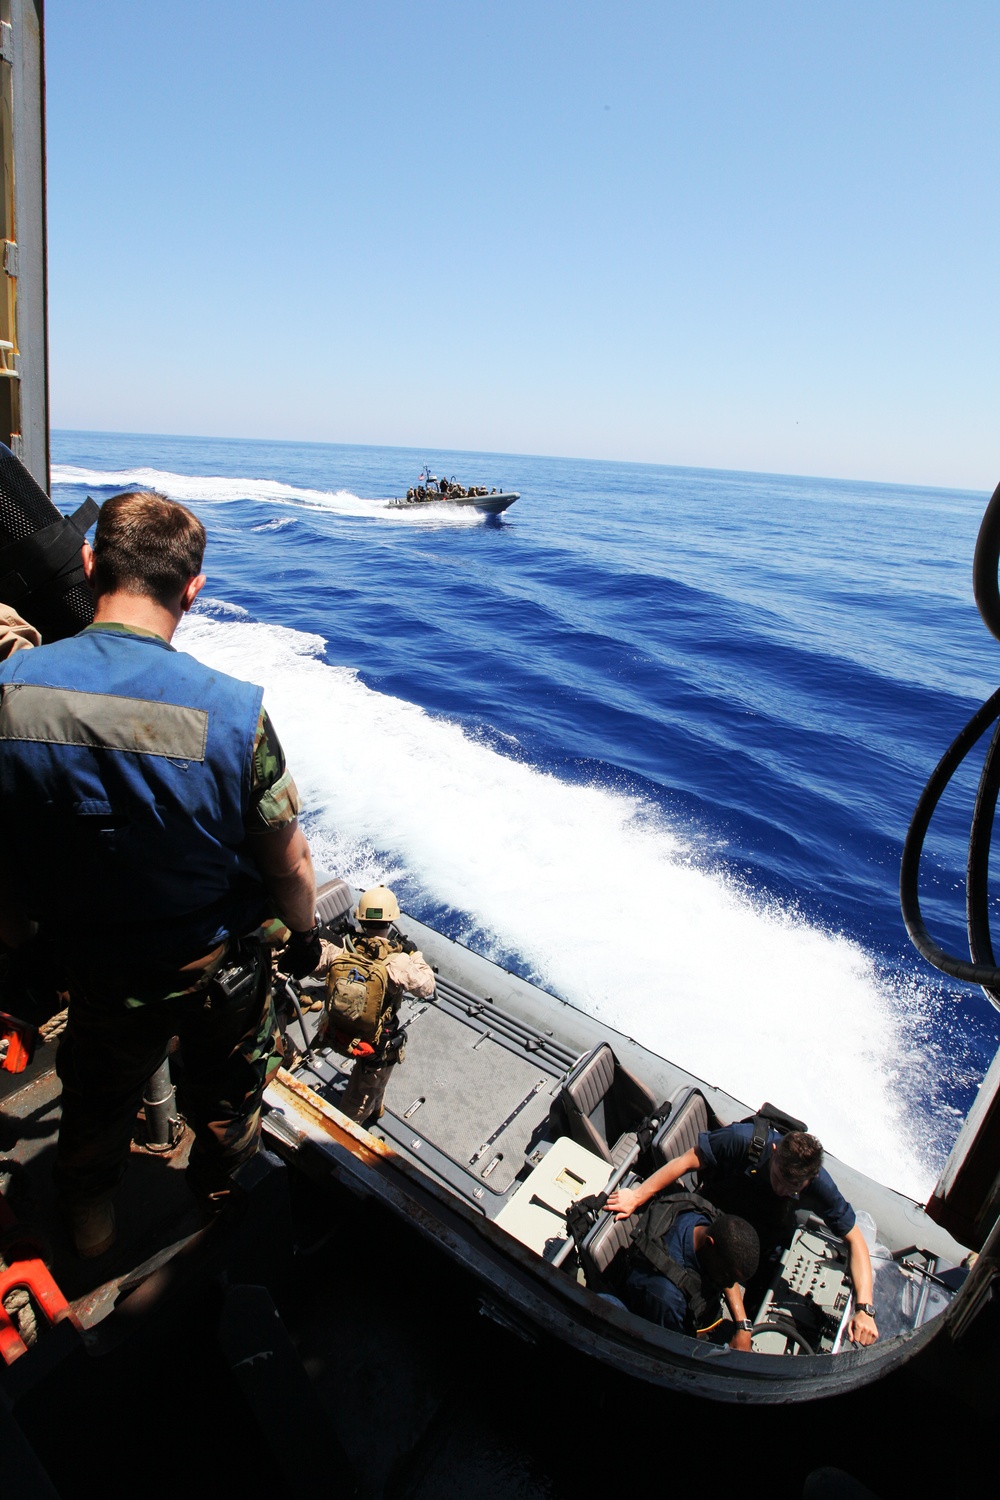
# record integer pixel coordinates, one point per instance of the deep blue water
(653, 737)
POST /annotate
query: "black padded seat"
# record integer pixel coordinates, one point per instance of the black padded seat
(333, 900)
(605, 1240)
(602, 1102)
(689, 1116)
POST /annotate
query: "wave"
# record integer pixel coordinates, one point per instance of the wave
(211, 489)
(603, 900)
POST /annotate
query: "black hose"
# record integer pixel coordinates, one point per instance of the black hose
(981, 967)
(977, 898)
(292, 994)
(984, 566)
(788, 1330)
(909, 870)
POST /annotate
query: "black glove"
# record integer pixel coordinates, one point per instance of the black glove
(303, 952)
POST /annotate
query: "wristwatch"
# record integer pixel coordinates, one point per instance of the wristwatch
(865, 1307)
(745, 1324)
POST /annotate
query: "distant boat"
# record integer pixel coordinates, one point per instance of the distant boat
(429, 490)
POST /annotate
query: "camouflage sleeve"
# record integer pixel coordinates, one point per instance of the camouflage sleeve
(15, 634)
(274, 797)
(413, 973)
(330, 952)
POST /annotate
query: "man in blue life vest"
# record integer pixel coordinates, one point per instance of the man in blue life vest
(149, 825)
(788, 1175)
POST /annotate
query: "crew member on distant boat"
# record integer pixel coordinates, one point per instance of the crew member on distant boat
(767, 1187)
(446, 489)
(367, 977)
(149, 825)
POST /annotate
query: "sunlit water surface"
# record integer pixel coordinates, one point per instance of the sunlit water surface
(651, 739)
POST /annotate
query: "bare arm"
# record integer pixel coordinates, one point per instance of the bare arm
(625, 1201)
(282, 856)
(742, 1338)
(863, 1329)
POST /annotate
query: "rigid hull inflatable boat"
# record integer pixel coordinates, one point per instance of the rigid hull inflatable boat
(511, 1106)
(430, 490)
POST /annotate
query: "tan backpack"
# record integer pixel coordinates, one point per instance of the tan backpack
(358, 1003)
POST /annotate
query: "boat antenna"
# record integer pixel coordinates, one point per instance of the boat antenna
(981, 966)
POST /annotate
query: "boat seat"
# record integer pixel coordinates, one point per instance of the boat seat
(608, 1237)
(333, 901)
(625, 1148)
(602, 1103)
(689, 1116)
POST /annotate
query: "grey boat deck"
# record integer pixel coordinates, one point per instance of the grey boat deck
(477, 1104)
(472, 1097)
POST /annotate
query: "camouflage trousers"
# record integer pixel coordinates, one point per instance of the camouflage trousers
(362, 1098)
(365, 1091)
(112, 1046)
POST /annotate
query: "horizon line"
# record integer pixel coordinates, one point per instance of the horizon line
(500, 453)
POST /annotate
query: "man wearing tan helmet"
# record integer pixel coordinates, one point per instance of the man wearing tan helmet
(367, 977)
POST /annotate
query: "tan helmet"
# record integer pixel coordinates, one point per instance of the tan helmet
(378, 905)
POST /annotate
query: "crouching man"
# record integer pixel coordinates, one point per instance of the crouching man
(768, 1188)
(685, 1256)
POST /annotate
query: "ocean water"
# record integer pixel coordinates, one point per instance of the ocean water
(652, 739)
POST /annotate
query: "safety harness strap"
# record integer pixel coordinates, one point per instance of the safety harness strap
(769, 1117)
(647, 1242)
(650, 1125)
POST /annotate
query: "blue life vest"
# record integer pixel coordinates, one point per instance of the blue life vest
(124, 785)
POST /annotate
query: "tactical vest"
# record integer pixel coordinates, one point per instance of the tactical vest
(704, 1300)
(124, 782)
(360, 996)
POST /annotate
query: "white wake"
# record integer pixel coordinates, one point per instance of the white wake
(208, 489)
(601, 897)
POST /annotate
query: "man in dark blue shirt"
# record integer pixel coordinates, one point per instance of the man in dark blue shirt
(695, 1259)
(789, 1175)
(724, 1157)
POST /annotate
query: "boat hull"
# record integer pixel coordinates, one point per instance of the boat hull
(522, 1289)
(490, 505)
(533, 1299)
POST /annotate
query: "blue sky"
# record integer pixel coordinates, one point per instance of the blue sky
(735, 233)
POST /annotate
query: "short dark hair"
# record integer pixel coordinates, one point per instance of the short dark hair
(735, 1250)
(146, 544)
(798, 1158)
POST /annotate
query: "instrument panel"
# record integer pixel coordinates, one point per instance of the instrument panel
(807, 1307)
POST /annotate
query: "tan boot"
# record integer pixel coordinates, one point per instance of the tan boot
(92, 1226)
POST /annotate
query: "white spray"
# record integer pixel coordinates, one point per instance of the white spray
(748, 996)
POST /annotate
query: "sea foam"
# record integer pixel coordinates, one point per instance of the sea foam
(207, 489)
(602, 898)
